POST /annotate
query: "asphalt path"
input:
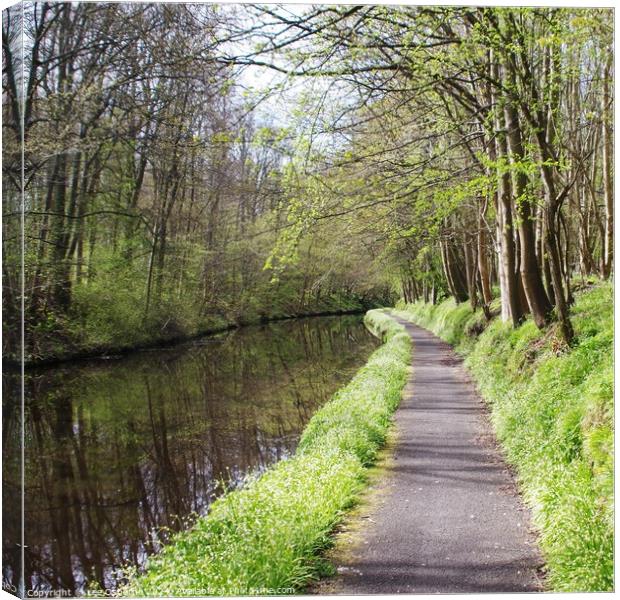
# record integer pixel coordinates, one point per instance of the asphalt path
(450, 519)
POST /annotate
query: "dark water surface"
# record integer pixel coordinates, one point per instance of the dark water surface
(119, 453)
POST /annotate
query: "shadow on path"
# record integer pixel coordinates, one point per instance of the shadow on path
(450, 519)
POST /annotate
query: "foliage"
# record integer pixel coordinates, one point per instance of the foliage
(552, 407)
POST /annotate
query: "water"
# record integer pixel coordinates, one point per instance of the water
(120, 453)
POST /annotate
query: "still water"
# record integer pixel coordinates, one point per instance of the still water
(120, 453)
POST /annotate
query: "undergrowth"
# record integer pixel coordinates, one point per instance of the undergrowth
(269, 534)
(552, 408)
(99, 322)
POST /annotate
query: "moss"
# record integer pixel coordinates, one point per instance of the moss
(552, 408)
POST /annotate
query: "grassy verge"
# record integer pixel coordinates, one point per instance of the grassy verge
(267, 537)
(552, 408)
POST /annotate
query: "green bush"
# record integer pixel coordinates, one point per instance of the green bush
(269, 534)
(552, 408)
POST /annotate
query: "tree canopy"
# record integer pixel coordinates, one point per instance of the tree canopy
(396, 151)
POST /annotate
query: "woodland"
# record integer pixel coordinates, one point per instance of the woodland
(385, 152)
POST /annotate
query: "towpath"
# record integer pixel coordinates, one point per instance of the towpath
(449, 518)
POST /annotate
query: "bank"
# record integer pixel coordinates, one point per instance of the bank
(70, 345)
(270, 533)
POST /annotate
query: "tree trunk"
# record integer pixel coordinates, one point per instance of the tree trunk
(556, 276)
(483, 264)
(456, 273)
(470, 270)
(510, 299)
(511, 309)
(607, 167)
(553, 253)
(531, 279)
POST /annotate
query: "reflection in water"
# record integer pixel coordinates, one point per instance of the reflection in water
(119, 454)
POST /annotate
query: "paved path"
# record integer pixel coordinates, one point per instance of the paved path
(451, 519)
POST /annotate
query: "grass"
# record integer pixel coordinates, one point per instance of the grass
(268, 536)
(552, 408)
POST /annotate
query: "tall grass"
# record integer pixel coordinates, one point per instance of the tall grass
(267, 537)
(552, 408)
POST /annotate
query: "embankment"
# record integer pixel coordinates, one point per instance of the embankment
(552, 408)
(267, 536)
(141, 340)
